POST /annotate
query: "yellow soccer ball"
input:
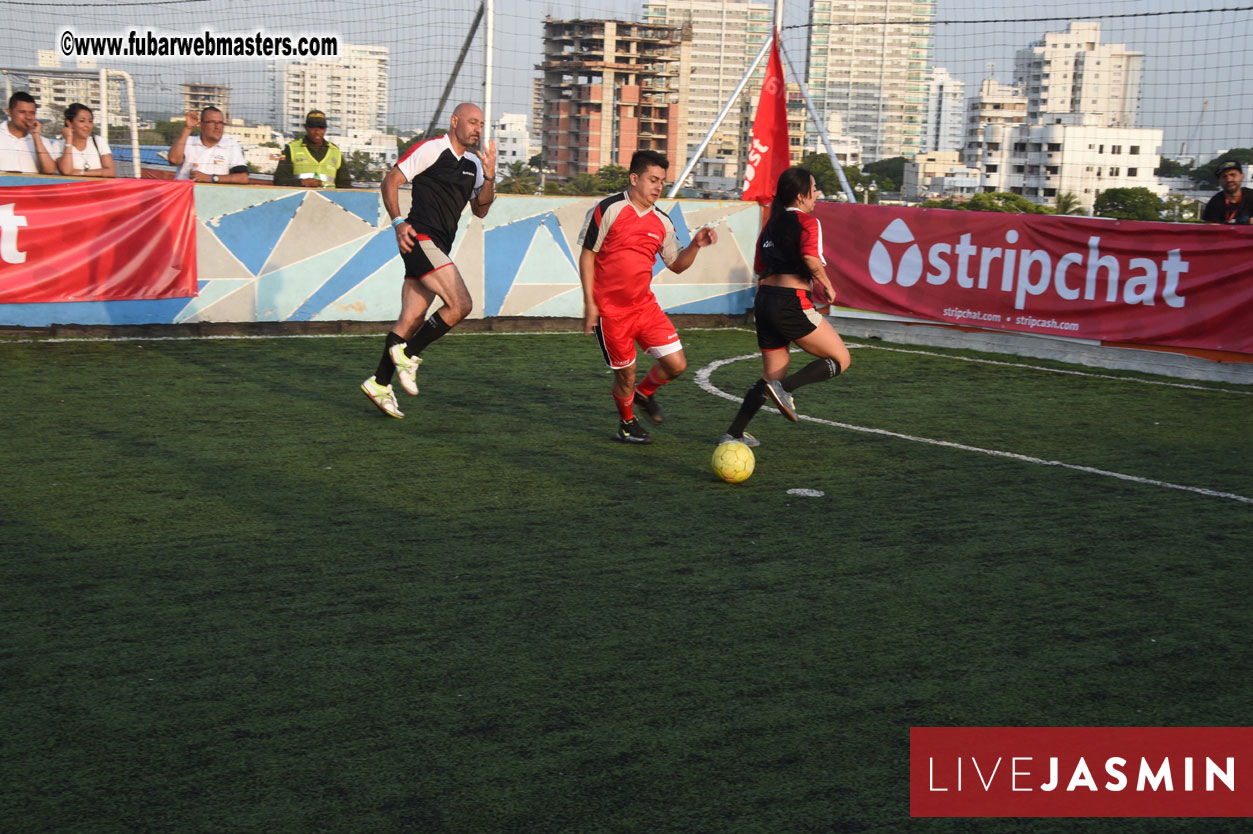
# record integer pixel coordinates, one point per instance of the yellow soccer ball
(733, 462)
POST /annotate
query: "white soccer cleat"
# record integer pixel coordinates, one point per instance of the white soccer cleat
(383, 397)
(406, 368)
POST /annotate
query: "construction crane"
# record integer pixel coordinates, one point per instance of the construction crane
(1183, 150)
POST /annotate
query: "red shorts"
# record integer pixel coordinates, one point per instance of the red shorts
(647, 325)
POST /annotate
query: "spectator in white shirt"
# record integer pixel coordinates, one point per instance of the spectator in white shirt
(21, 147)
(79, 153)
(211, 156)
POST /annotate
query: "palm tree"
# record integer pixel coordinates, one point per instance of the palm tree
(1067, 203)
(518, 179)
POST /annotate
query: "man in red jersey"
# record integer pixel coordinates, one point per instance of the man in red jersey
(622, 238)
(444, 176)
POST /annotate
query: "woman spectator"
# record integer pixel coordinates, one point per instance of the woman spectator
(80, 154)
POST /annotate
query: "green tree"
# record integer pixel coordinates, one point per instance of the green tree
(362, 168)
(1001, 201)
(537, 161)
(583, 185)
(1171, 168)
(553, 188)
(888, 174)
(820, 166)
(612, 178)
(1129, 204)
(1067, 203)
(518, 178)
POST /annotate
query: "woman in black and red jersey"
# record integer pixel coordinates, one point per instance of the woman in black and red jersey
(789, 261)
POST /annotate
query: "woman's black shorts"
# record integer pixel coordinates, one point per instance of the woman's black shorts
(783, 314)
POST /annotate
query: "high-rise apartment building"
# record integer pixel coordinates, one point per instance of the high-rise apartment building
(995, 104)
(1073, 73)
(196, 96)
(612, 87)
(350, 89)
(868, 59)
(946, 105)
(54, 92)
(726, 36)
(1043, 161)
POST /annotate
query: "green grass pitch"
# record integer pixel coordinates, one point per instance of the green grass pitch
(236, 598)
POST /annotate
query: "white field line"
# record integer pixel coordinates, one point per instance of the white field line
(703, 375)
(1054, 370)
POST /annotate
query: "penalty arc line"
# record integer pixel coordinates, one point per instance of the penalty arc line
(703, 380)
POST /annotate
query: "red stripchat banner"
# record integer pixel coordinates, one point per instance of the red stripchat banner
(1081, 772)
(110, 240)
(1169, 284)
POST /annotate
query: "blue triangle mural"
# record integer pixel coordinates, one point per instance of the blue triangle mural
(380, 249)
(252, 233)
(680, 230)
(363, 204)
(503, 250)
(550, 222)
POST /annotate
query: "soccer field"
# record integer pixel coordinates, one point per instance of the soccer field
(236, 598)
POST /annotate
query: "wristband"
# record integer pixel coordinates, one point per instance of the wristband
(396, 221)
(489, 179)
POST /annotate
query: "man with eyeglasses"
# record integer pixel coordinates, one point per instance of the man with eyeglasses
(211, 156)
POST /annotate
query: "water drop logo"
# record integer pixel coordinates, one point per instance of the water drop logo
(883, 270)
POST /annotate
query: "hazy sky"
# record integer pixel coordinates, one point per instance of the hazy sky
(1190, 58)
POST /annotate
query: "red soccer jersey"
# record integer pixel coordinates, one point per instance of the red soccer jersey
(626, 242)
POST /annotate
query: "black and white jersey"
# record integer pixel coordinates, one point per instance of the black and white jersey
(442, 185)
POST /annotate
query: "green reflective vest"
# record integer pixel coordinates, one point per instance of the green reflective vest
(302, 162)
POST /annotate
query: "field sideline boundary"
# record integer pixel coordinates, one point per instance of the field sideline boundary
(703, 380)
(858, 345)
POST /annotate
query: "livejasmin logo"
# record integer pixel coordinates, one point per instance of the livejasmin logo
(1080, 771)
(10, 222)
(1021, 774)
(1026, 272)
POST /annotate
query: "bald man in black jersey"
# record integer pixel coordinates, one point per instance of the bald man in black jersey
(444, 177)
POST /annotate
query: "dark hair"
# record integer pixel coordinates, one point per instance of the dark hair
(20, 95)
(214, 109)
(782, 227)
(74, 109)
(641, 161)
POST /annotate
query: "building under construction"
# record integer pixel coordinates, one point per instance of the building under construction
(610, 88)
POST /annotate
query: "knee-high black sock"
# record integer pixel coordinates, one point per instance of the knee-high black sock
(383, 376)
(431, 329)
(751, 405)
(819, 370)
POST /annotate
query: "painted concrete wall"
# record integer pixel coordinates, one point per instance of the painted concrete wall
(278, 254)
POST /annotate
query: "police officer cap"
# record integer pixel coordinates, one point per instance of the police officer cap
(316, 118)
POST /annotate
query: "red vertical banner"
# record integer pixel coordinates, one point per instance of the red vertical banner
(769, 155)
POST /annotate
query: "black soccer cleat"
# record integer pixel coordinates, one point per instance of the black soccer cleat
(630, 431)
(650, 407)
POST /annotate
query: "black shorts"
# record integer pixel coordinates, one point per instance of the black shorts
(424, 258)
(783, 315)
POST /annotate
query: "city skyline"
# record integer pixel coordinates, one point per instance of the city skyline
(1179, 74)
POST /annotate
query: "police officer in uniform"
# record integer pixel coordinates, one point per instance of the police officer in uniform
(312, 162)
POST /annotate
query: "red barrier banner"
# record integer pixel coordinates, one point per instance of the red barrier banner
(1081, 771)
(1168, 284)
(110, 240)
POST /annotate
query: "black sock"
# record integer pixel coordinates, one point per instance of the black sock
(383, 376)
(432, 329)
(819, 370)
(752, 403)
